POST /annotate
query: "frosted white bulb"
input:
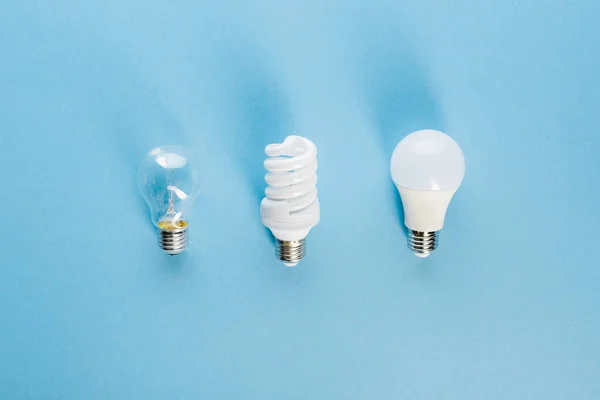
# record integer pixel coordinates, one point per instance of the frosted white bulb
(427, 167)
(291, 208)
(168, 180)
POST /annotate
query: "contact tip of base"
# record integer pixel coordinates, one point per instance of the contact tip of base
(290, 264)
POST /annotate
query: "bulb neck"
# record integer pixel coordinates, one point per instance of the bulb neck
(425, 210)
(422, 243)
(173, 241)
(290, 251)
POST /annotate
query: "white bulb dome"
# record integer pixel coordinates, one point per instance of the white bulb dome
(428, 160)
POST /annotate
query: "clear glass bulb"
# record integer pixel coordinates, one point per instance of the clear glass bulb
(427, 167)
(169, 182)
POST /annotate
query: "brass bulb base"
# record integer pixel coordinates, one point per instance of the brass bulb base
(290, 251)
(422, 243)
(173, 239)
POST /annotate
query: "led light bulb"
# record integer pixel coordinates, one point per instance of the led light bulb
(427, 166)
(169, 182)
(291, 208)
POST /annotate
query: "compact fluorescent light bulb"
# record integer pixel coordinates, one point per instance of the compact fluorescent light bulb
(427, 167)
(169, 181)
(291, 208)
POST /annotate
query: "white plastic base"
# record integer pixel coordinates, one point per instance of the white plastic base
(425, 210)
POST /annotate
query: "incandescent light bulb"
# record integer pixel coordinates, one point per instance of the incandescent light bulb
(169, 182)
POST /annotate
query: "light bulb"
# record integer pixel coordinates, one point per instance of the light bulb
(291, 208)
(427, 167)
(169, 181)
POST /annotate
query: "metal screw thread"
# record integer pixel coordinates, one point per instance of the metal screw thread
(422, 243)
(290, 252)
(172, 241)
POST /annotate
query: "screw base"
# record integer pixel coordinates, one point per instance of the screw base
(422, 243)
(290, 252)
(172, 241)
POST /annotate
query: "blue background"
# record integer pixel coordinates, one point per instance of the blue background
(509, 305)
